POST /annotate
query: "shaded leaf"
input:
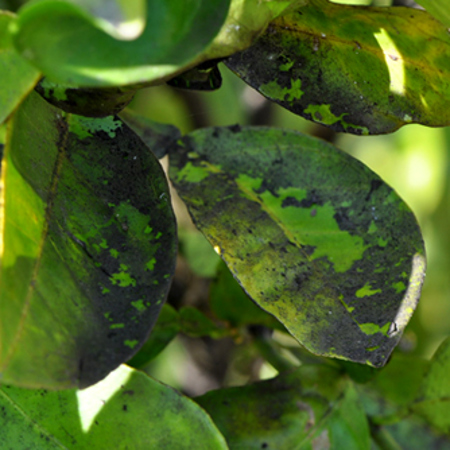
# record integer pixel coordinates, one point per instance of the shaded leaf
(71, 51)
(194, 323)
(309, 408)
(18, 76)
(127, 409)
(355, 69)
(313, 236)
(99, 102)
(230, 302)
(413, 433)
(433, 400)
(205, 77)
(158, 137)
(89, 247)
(164, 331)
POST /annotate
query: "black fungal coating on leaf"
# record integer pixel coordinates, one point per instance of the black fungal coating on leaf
(343, 300)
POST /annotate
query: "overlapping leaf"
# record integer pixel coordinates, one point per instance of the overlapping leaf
(309, 408)
(437, 8)
(355, 69)
(17, 75)
(88, 247)
(125, 410)
(70, 50)
(313, 236)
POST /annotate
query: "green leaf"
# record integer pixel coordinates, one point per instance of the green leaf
(309, 408)
(230, 302)
(355, 69)
(122, 19)
(126, 410)
(88, 247)
(313, 236)
(433, 401)
(438, 9)
(71, 51)
(164, 331)
(194, 323)
(18, 76)
(158, 137)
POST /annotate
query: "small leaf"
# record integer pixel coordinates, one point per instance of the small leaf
(312, 406)
(18, 76)
(196, 324)
(355, 69)
(313, 236)
(89, 247)
(71, 51)
(127, 409)
(205, 77)
(433, 401)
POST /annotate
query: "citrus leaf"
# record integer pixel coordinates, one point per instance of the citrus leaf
(355, 69)
(18, 76)
(88, 247)
(309, 408)
(433, 401)
(312, 235)
(122, 19)
(71, 51)
(438, 9)
(127, 409)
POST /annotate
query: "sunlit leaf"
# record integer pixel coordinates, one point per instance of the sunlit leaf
(70, 50)
(17, 76)
(355, 69)
(127, 409)
(433, 400)
(88, 247)
(122, 19)
(309, 408)
(313, 236)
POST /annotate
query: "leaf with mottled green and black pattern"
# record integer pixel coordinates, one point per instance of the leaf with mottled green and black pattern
(355, 69)
(313, 236)
(88, 247)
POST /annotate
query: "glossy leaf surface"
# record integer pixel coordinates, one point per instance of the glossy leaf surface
(355, 69)
(18, 75)
(313, 236)
(88, 247)
(125, 410)
(72, 51)
(122, 19)
(433, 401)
(309, 408)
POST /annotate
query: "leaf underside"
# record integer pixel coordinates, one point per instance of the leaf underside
(354, 69)
(89, 247)
(313, 236)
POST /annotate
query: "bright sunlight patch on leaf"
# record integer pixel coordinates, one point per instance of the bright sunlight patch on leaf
(394, 62)
(92, 399)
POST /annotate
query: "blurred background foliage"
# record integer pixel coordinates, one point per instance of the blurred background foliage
(414, 161)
